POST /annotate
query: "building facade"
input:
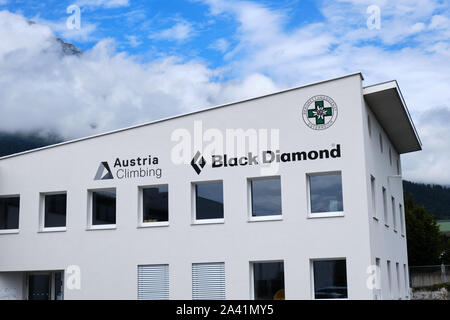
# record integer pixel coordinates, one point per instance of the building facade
(294, 195)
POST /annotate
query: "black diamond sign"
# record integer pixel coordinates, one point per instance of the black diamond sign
(198, 162)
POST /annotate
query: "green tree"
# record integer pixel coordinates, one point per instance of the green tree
(425, 242)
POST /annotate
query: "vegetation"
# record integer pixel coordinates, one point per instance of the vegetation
(426, 245)
(435, 198)
(435, 287)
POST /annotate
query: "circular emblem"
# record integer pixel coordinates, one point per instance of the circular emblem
(320, 112)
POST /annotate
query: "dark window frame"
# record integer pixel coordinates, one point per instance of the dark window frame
(251, 215)
(142, 189)
(312, 214)
(254, 296)
(314, 274)
(43, 210)
(91, 224)
(55, 285)
(12, 230)
(194, 188)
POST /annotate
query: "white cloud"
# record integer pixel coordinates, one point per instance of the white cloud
(29, 39)
(84, 34)
(133, 41)
(100, 90)
(182, 30)
(221, 45)
(439, 22)
(103, 3)
(430, 165)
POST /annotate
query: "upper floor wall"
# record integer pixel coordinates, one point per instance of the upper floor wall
(170, 152)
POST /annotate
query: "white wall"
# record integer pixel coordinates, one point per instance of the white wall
(109, 258)
(387, 243)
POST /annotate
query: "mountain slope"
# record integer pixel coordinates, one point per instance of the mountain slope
(435, 198)
(17, 142)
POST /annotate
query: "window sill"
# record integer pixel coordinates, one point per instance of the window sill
(153, 224)
(395, 231)
(403, 235)
(265, 218)
(386, 225)
(208, 221)
(325, 215)
(376, 219)
(9, 231)
(49, 230)
(102, 227)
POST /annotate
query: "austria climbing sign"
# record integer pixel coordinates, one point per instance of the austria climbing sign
(320, 112)
(140, 167)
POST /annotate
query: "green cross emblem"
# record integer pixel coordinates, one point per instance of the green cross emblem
(320, 112)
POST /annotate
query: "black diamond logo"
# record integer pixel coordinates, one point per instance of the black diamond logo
(198, 162)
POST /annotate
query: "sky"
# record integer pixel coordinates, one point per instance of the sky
(146, 60)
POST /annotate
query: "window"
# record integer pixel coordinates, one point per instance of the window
(394, 216)
(388, 264)
(59, 285)
(55, 210)
(45, 285)
(153, 282)
(208, 202)
(325, 193)
(402, 217)
(265, 197)
(374, 200)
(330, 279)
(378, 279)
(397, 269)
(385, 206)
(369, 126)
(9, 214)
(103, 208)
(398, 165)
(208, 281)
(39, 286)
(390, 156)
(381, 144)
(405, 275)
(155, 205)
(268, 281)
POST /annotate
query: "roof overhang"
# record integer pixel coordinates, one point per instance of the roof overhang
(387, 103)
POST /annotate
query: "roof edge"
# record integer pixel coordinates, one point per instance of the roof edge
(393, 84)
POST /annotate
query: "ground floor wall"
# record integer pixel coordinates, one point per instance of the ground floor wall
(118, 279)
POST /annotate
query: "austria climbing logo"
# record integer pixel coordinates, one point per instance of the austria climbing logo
(320, 112)
(129, 168)
(103, 172)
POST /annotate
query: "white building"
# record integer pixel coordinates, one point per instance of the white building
(118, 216)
